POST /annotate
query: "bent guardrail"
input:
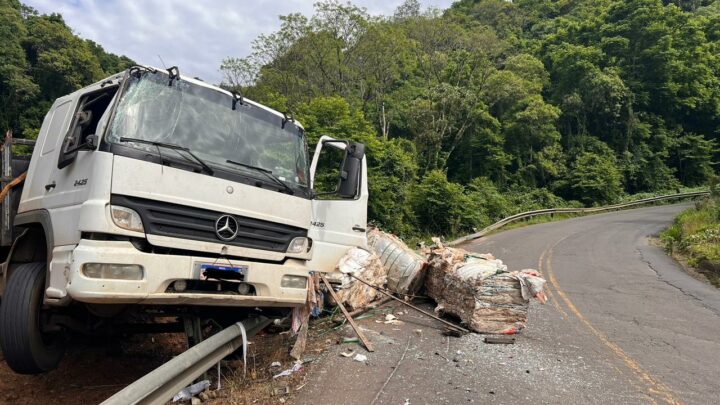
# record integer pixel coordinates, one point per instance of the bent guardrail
(549, 211)
(161, 384)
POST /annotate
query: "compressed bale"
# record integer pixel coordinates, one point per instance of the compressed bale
(367, 266)
(441, 262)
(405, 268)
(478, 290)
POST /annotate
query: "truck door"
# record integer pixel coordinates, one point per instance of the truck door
(44, 157)
(339, 212)
(70, 174)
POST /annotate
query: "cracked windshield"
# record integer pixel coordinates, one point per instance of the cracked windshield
(202, 120)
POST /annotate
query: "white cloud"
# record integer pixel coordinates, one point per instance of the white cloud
(194, 35)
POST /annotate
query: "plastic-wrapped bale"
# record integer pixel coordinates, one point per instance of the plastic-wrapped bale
(367, 266)
(479, 290)
(405, 268)
(446, 260)
(442, 261)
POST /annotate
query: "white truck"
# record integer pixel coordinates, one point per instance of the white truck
(152, 190)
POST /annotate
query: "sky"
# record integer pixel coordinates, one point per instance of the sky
(195, 35)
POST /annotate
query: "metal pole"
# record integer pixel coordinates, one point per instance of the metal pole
(5, 210)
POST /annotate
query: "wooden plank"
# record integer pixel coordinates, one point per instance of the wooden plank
(362, 337)
(500, 339)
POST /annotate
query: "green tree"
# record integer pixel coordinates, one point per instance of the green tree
(443, 207)
(595, 179)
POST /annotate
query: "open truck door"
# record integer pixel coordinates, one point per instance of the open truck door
(338, 175)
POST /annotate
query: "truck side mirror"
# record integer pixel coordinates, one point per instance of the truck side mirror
(67, 156)
(350, 172)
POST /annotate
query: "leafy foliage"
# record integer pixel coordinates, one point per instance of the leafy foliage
(492, 107)
(696, 234)
(42, 60)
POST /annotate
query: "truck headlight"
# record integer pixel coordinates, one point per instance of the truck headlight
(126, 218)
(113, 271)
(299, 245)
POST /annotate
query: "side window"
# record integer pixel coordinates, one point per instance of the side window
(89, 110)
(338, 169)
(327, 174)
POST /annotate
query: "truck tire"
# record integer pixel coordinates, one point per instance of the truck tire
(26, 348)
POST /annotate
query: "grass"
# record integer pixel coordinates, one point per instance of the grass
(695, 234)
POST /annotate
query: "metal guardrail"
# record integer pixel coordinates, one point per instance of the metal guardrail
(549, 211)
(161, 384)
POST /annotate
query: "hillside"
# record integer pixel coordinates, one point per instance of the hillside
(493, 107)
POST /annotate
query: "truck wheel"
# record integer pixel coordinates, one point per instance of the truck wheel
(26, 348)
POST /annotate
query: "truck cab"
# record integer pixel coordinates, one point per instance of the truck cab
(152, 189)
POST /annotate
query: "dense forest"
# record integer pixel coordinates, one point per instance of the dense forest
(40, 60)
(493, 107)
(469, 114)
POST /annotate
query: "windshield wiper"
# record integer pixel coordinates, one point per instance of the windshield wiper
(207, 169)
(267, 173)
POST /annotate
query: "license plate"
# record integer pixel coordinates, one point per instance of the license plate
(219, 270)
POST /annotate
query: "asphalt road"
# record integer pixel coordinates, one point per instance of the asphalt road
(623, 324)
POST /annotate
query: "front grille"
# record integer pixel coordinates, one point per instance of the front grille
(181, 221)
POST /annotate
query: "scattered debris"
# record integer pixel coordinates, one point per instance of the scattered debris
(418, 332)
(298, 366)
(452, 332)
(279, 391)
(500, 339)
(393, 320)
(438, 354)
(405, 268)
(347, 354)
(301, 315)
(450, 324)
(189, 392)
(350, 340)
(359, 333)
(355, 313)
(360, 357)
(275, 364)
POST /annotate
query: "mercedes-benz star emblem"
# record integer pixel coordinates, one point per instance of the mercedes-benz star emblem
(226, 227)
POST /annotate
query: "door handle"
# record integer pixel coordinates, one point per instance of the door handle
(50, 186)
(358, 228)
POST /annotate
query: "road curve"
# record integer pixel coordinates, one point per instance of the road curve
(624, 324)
(654, 325)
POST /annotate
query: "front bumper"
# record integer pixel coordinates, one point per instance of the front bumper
(161, 270)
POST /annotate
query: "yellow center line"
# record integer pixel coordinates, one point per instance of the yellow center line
(550, 295)
(654, 386)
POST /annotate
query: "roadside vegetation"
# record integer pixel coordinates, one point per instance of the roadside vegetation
(695, 236)
(491, 107)
(469, 114)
